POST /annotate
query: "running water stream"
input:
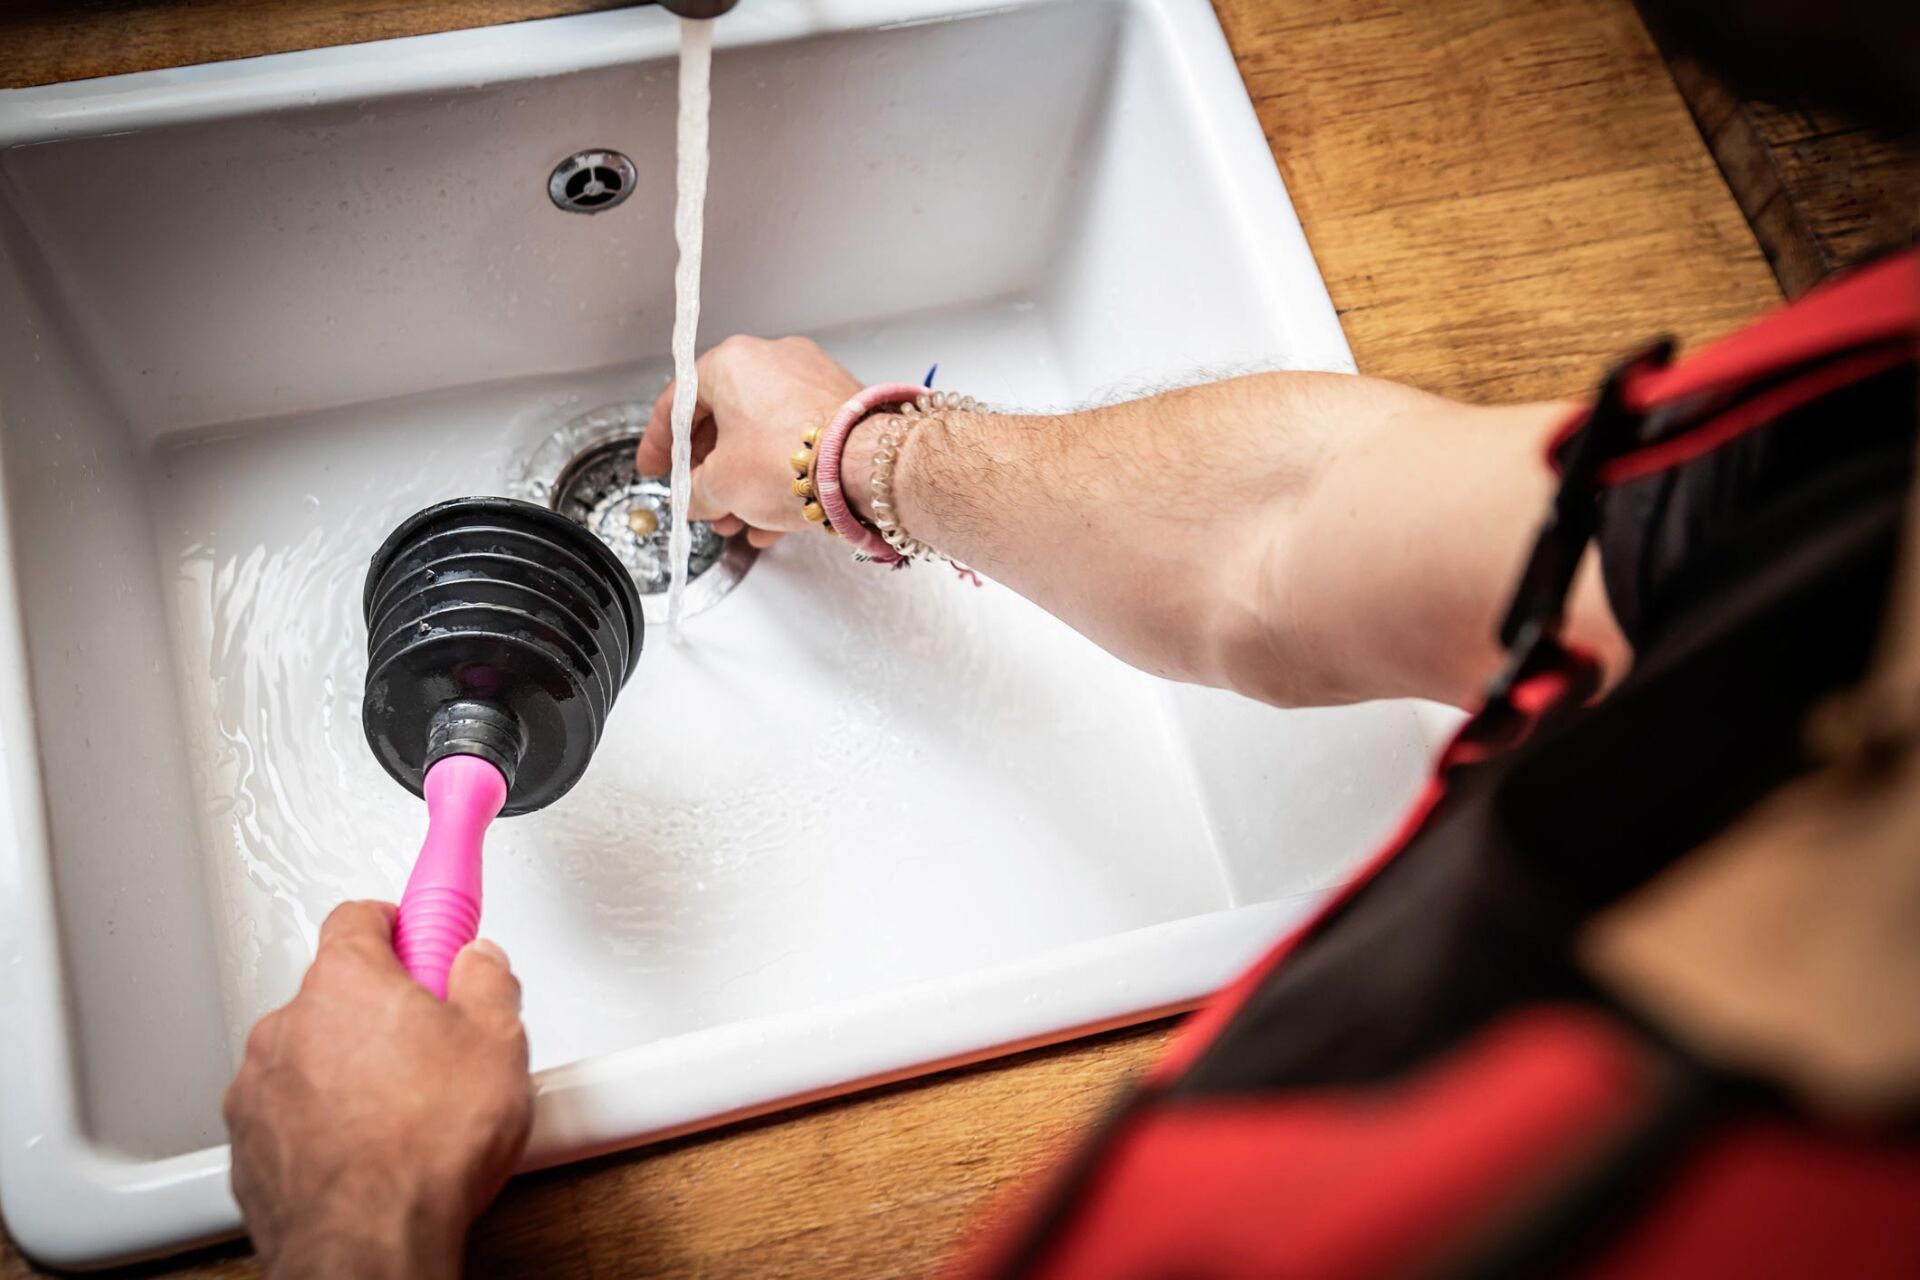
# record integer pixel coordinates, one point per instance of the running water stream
(689, 214)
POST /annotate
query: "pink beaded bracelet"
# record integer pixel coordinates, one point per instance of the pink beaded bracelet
(862, 537)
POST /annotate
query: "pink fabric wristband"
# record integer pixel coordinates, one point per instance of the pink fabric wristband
(826, 467)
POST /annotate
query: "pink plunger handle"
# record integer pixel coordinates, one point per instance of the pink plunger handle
(440, 911)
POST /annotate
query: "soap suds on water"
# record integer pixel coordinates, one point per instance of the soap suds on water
(689, 214)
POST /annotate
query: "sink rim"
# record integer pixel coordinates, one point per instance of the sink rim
(439, 61)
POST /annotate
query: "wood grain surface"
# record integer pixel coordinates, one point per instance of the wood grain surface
(1503, 196)
(1822, 192)
(46, 41)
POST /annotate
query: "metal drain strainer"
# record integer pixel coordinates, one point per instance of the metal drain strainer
(585, 472)
(630, 514)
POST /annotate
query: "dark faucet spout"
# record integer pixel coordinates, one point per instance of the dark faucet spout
(697, 8)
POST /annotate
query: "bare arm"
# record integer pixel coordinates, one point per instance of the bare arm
(1302, 538)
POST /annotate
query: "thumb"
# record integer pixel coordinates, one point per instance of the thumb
(482, 984)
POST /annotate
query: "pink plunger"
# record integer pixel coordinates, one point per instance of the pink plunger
(440, 911)
(498, 635)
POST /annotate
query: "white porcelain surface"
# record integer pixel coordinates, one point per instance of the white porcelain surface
(861, 825)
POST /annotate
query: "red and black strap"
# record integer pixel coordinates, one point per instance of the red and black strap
(1651, 415)
(1844, 332)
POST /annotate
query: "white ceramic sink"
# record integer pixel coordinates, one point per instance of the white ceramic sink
(862, 824)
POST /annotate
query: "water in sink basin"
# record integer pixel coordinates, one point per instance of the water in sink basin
(849, 780)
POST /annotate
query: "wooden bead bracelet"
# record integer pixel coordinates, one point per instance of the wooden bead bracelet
(816, 465)
(817, 462)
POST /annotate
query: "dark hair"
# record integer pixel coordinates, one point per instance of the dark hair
(1860, 55)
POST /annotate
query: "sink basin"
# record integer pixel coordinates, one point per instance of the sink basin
(861, 824)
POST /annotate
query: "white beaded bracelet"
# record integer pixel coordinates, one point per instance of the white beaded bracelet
(887, 452)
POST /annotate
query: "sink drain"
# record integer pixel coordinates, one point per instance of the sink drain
(585, 472)
(591, 181)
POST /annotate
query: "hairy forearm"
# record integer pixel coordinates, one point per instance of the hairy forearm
(1302, 538)
(1128, 522)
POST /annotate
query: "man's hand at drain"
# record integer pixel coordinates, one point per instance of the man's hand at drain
(756, 399)
(1302, 538)
(370, 1122)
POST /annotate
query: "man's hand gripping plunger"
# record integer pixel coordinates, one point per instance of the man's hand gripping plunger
(395, 1115)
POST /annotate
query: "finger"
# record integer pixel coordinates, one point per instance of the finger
(481, 983)
(706, 434)
(764, 538)
(727, 526)
(700, 504)
(655, 455)
(362, 919)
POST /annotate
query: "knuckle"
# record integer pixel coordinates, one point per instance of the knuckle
(359, 917)
(510, 1038)
(345, 912)
(262, 1039)
(500, 1020)
(234, 1101)
(319, 976)
(348, 956)
(510, 985)
(741, 345)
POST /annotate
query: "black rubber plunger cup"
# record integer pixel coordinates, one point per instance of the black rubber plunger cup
(499, 629)
(497, 632)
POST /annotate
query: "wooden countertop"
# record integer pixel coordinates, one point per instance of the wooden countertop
(1821, 191)
(1503, 196)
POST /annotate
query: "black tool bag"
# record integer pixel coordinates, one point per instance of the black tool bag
(1423, 1081)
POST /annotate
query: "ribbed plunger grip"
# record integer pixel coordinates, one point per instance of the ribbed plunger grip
(440, 910)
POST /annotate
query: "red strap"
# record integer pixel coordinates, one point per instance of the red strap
(1879, 303)
(1719, 429)
(1846, 331)
(1391, 1179)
